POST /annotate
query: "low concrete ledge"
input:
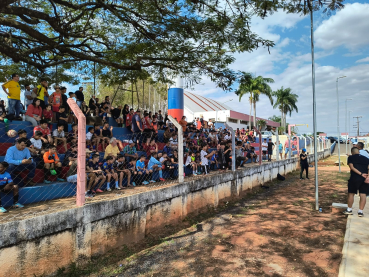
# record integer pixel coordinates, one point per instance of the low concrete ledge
(41, 244)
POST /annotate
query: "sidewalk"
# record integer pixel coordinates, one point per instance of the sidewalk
(355, 259)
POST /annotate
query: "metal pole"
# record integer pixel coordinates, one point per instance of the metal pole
(180, 149)
(338, 127)
(314, 108)
(346, 123)
(311, 146)
(349, 126)
(289, 146)
(233, 147)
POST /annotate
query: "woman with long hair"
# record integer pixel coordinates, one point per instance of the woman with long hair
(34, 112)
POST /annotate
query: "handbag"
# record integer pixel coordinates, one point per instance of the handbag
(33, 95)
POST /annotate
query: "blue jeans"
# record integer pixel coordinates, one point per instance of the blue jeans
(15, 170)
(14, 106)
(79, 103)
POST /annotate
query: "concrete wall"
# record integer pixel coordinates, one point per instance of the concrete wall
(42, 244)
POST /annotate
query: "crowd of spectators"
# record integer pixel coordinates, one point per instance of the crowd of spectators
(123, 163)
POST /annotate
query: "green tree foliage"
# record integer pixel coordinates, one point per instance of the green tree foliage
(261, 123)
(163, 37)
(286, 102)
(254, 86)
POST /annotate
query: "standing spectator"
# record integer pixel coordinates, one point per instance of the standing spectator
(89, 141)
(222, 164)
(204, 159)
(62, 118)
(59, 136)
(47, 114)
(56, 99)
(270, 149)
(41, 91)
(28, 95)
(362, 152)
(264, 147)
(190, 163)
(160, 118)
(304, 164)
(71, 117)
(34, 112)
(125, 111)
(13, 90)
(129, 119)
(2, 110)
(19, 159)
(52, 162)
(92, 105)
(7, 185)
(183, 123)
(287, 147)
(46, 134)
(79, 96)
(136, 126)
(63, 91)
(358, 172)
(147, 127)
(280, 148)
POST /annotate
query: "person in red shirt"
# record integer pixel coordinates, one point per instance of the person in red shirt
(129, 119)
(147, 129)
(34, 112)
(46, 134)
(52, 162)
(55, 99)
(47, 114)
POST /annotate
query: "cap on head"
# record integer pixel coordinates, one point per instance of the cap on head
(303, 150)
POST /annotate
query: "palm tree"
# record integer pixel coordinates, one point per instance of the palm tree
(255, 86)
(261, 124)
(286, 102)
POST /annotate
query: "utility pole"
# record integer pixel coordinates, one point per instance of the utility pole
(358, 126)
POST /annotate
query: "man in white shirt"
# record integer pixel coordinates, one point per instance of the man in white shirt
(204, 159)
(362, 152)
(173, 142)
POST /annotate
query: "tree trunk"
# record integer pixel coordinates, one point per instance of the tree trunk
(132, 92)
(143, 94)
(254, 113)
(138, 97)
(250, 116)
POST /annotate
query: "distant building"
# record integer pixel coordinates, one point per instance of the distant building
(198, 106)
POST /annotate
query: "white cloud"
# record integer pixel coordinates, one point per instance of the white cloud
(348, 28)
(365, 60)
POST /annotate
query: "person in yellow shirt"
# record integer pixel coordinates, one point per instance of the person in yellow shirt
(13, 90)
(112, 149)
(41, 91)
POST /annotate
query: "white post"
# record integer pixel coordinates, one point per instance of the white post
(233, 147)
(289, 146)
(180, 149)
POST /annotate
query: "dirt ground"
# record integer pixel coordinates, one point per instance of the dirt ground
(271, 232)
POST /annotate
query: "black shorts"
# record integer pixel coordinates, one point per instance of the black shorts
(264, 152)
(354, 186)
(270, 152)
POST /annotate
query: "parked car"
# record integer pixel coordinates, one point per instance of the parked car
(332, 139)
(266, 134)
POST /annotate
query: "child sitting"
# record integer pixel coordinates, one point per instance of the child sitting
(155, 165)
(142, 171)
(52, 162)
(94, 168)
(190, 163)
(119, 166)
(110, 172)
(7, 185)
(89, 135)
(47, 114)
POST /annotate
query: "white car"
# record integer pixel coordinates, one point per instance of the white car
(266, 134)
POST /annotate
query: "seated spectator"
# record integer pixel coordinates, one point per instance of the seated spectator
(240, 159)
(97, 136)
(85, 109)
(112, 149)
(143, 173)
(72, 178)
(131, 166)
(167, 149)
(251, 154)
(166, 161)
(204, 159)
(34, 112)
(47, 114)
(89, 140)
(7, 185)
(52, 163)
(174, 158)
(110, 172)
(46, 134)
(36, 145)
(155, 165)
(116, 115)
(62, 118)
(59, 136)
(93, 167)
(130, 151)
(167, 135)
(19, 159)
(106, 133)
(190, 163)
(23, 134)
(92, 105)
(104, 110)
(73, 135)
(71, 155)
(173, 142)
(120, 167)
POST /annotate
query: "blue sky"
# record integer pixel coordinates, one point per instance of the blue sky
(341, 48)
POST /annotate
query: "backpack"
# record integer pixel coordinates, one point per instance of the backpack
(280, 177)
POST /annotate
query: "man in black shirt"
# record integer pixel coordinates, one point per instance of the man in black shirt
(359, 171)
(304, 164)
(79, 96)
(63, 91)
(270, 150)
